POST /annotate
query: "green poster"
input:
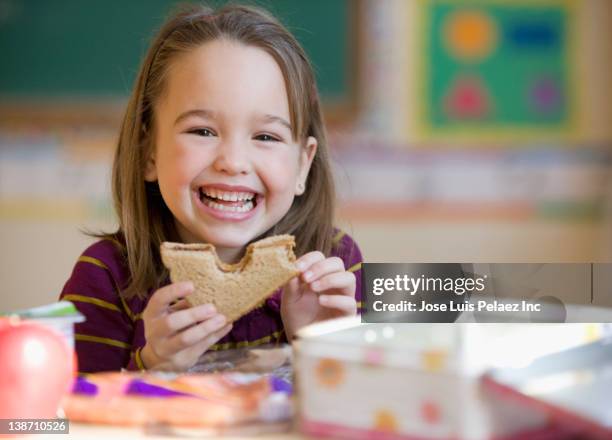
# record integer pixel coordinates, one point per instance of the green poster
(492, 66)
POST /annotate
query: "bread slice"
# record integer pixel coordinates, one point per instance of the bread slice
(234, 289)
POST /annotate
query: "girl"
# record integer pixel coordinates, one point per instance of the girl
(223, 143)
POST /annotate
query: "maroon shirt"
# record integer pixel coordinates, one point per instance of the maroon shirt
(112, 336)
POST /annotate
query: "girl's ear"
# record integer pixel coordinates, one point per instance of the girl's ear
(151, 169)
(306, 156)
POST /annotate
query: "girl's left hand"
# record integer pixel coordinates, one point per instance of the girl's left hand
(323, 290)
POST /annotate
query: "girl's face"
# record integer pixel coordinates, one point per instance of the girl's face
(224, 157)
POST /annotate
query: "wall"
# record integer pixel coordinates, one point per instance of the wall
(40, 240)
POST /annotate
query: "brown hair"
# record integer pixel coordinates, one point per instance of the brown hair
(144, 219)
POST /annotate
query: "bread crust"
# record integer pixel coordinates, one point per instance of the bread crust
(234, 289)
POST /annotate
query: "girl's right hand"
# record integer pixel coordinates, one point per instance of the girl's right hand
(177, 338)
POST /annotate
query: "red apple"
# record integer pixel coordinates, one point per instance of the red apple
(36, 370)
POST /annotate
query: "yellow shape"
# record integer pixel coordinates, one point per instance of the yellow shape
(592, 332)
(101, 340)
(470, 34)
(384, 420)
(329, 372)
(91, 300)
(434, 360)
(354, 268)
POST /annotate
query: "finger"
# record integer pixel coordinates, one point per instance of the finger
(321, 268)
(344, 303)
(307, 260)
(196, 350)
(176, 321)
(344, 282)
(180, 304)
(161, 299)
(198, 332)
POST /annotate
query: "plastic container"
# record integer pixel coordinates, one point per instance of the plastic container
(421, 381)
(60, 316)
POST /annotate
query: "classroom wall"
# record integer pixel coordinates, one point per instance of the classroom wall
(48, 193)
(37, 257)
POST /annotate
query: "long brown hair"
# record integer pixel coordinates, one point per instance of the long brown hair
(144, 219)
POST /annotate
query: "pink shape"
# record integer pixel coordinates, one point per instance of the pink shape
(467, 99)
(430, 412)
(374, 356)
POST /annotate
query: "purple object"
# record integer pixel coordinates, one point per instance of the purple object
(139, 387)
(546, 95)
(84, 387)
(281, 385)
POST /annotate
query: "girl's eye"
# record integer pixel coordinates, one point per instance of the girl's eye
(266, 138)
(202, 132)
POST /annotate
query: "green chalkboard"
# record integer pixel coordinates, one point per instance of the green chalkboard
(93, 48)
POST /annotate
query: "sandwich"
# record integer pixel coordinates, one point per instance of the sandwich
(234, 289)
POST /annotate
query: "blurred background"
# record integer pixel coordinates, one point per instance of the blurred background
(462, 131)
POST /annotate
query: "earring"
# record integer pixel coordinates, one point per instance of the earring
(300, 187)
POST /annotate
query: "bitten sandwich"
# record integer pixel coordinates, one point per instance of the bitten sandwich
(234, 289)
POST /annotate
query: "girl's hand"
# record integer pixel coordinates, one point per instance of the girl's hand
(323, 290)
(177, 335)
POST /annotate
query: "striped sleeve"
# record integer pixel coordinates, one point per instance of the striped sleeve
(104, 341)
(346, 248)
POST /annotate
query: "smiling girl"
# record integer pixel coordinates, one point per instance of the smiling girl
(222, 142)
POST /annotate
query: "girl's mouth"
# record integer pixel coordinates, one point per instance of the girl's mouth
(228, 201)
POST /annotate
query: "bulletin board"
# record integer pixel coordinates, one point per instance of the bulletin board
(497, 69)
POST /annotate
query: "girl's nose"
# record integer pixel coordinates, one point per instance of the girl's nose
(232, 158)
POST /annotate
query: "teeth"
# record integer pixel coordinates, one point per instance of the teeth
(244, 208)
(228, 196)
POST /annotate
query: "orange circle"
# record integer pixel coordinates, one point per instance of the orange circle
(329, 372)
(384, 420)
(470, 34)
(434, 360)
